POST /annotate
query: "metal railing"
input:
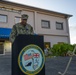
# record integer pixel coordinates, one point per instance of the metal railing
(73, 53)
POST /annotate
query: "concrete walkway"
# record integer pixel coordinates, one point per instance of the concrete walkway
(52, 65)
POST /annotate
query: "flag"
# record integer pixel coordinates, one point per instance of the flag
(36, 55)
(28, 56)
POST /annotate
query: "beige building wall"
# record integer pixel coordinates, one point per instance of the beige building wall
(55, 39)
(11, 18)
(52, 29)
(51, 35)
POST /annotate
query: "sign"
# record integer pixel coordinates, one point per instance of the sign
(31, 59)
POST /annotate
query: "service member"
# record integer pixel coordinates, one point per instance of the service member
(21, 28)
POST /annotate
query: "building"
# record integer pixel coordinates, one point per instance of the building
(53, 25)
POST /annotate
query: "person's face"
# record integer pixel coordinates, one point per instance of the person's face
(24, 21)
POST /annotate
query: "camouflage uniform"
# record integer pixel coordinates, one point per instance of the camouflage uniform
(20, 29)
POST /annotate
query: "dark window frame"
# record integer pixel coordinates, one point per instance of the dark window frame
(59, 24)
(6, 18)
(45, 21)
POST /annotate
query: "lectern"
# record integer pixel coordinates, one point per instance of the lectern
(28, 55)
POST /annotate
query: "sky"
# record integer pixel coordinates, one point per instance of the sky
(63, 6)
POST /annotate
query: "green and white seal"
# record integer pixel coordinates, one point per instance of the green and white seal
(31, 59)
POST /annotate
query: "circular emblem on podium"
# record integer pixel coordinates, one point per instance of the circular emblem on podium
(31, 59)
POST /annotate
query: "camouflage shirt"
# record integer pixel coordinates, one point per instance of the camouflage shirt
(20, 29)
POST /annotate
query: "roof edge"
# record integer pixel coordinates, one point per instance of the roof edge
(67, 15)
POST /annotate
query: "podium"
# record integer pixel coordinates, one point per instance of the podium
(28, 55)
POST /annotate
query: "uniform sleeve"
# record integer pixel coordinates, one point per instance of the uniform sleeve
(13, 34)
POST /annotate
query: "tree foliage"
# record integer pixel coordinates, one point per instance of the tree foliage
(61, 49)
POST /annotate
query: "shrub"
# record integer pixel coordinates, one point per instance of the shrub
(61, 49)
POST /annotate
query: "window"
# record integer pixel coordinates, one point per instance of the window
(60, 42)
(1, 47)
(45, 24)
(3, 18)
(17, 19)
(47, 45)
(59, 26)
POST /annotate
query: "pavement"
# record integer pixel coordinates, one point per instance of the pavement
(52, 65)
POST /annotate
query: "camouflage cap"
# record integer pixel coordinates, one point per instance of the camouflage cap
(24, 16)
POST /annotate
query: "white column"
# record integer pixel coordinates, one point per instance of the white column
(67, 24)
(35, 22)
